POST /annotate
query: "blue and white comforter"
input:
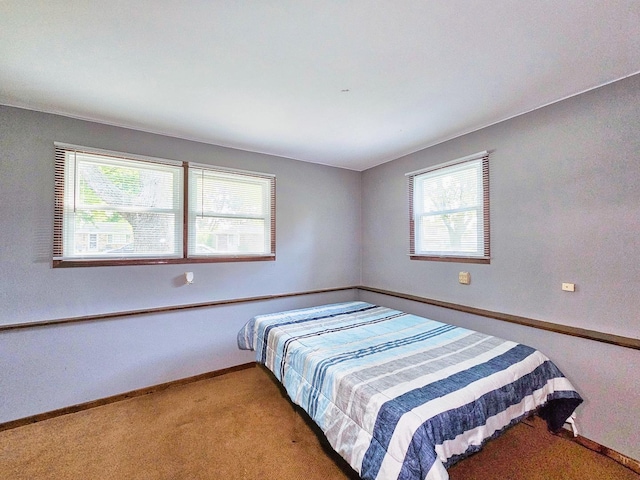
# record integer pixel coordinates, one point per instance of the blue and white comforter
(401, 396)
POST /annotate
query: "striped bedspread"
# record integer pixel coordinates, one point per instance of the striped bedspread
(401, 396)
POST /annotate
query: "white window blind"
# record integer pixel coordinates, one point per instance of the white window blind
(231, 213)
(116, 207)
(449, 210)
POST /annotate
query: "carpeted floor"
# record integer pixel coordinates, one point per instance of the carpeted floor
(239, 426)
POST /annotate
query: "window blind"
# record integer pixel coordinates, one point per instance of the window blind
(231, 212)
(113, 206)
(449, 210)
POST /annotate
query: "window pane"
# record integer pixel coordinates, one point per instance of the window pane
(230, 236)
(112, 234)
(230, 213)
(121, 208)
(222, 195)
(450, 191)
(449, 210)
(119, 184)
(452, 233)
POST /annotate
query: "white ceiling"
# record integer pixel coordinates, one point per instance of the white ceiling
(350, 83)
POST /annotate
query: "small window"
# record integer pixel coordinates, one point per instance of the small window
(449, 211)
(114, 209)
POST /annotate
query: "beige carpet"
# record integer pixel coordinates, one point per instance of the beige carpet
(239, 426)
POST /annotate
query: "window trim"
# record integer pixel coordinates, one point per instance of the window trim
(485, 258)
(59, 261)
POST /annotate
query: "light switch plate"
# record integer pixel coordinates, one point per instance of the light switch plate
(569, 287)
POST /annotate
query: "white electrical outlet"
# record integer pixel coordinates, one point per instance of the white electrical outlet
(569, 287)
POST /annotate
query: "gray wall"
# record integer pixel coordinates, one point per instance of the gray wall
(565, 207)
(318, 246)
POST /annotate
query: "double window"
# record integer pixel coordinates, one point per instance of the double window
(449, 211)
(114, 209)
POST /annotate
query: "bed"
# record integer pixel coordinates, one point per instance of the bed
(400, 396)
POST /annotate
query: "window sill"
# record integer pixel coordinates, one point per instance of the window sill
(159, 261)
(433, 258)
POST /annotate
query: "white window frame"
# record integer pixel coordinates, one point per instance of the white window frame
(416, 183)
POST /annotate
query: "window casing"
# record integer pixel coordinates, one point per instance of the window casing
(116, 209)
(449, 211)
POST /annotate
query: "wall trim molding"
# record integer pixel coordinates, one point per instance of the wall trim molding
(170, 308)
(618, 340)
(630, 463)
(20, 422)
